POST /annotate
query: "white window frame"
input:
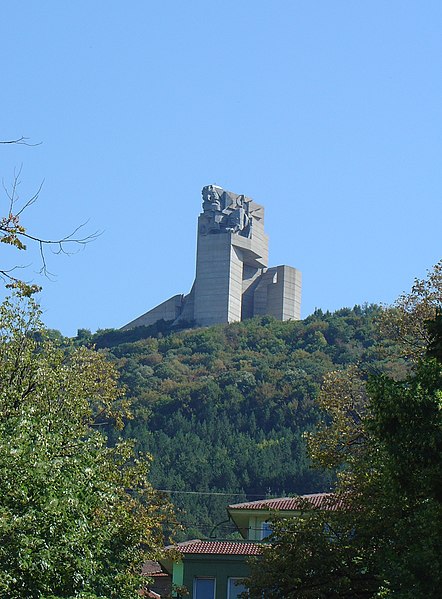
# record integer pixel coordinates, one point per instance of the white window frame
(232, 578)
(196, 578)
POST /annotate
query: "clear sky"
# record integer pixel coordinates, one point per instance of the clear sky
(327, 112)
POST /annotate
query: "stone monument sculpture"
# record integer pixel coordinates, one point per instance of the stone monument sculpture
(233, 280)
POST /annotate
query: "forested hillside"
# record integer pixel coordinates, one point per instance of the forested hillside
(223, 409)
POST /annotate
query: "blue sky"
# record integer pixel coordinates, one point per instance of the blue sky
(326, 112)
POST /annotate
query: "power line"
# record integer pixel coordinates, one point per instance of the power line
(261, 495)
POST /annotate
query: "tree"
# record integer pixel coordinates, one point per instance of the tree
(15, 234)
(384, 436)
(406, 321)
(77, 518)
(404, 493)
(314, 555)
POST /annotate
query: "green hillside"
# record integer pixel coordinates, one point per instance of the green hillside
(223, 409)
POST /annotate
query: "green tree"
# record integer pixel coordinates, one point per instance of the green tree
(385, 438)
(77, 518)
(406, 321)
(315, 555)
(402, 498)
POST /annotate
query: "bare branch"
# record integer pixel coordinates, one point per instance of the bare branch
(13, 195)
(31, 200)
(21, 141)
(68, 239)
(13, 233)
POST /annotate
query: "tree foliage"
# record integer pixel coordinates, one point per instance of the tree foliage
(406, 321)
(224, 409)
(384, 436)
(77, 518)
(314, 555)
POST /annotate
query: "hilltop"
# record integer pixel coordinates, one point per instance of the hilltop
(223, 409)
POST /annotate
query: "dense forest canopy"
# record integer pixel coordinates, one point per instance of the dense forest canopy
(224, 409)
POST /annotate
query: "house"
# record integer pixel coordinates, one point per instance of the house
(211, 569)
(251, 518)
(214, 569)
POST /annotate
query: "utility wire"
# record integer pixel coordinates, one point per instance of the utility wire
(261, 495)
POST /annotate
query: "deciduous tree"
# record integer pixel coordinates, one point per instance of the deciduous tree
(77, 518)
(384, 436)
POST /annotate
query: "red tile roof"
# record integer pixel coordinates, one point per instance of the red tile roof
(153, 569)
(219, 547)
(324, 501)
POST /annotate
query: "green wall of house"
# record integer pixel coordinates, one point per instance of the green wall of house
(178, 574)
(220, 567)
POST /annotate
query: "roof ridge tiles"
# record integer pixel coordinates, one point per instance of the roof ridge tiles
(210, 547)
(289, 503)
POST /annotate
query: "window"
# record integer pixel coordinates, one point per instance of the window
(235, 588)
(204, 588)
(266, 530)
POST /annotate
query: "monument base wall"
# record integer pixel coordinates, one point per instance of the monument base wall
(168, 310)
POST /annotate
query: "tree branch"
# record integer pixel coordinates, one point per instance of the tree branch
(21, 141)
(12, 232)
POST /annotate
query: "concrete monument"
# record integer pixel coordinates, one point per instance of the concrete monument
(233, 280)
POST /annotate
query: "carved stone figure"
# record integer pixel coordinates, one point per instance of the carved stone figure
(211, 198)
(225, 211)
